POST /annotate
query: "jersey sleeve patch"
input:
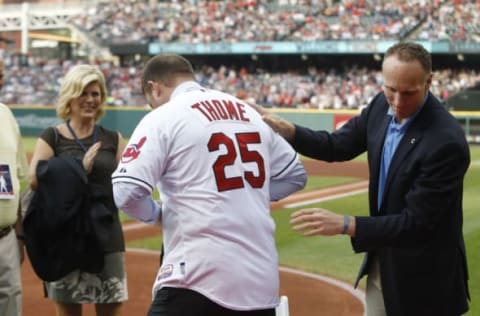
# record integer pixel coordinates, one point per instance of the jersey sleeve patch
(133, 151)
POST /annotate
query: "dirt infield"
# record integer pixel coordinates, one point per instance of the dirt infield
(307, 294)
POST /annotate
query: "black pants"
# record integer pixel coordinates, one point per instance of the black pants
(184, 302)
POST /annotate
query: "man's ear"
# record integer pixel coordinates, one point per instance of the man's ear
(157, 91)
(429, 80)
(151, 87)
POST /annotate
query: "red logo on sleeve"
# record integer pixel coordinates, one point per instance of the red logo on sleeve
(133, 150)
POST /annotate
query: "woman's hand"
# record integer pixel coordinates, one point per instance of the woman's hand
(90, 155)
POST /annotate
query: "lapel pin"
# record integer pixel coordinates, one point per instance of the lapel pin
(412, 141)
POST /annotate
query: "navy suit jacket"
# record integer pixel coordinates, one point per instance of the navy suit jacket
(417, 233)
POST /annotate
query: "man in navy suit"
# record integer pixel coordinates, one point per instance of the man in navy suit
(415, 258)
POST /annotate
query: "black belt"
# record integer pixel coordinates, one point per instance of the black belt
(4, 231)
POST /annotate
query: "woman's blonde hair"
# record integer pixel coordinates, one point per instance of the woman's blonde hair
(73, 85)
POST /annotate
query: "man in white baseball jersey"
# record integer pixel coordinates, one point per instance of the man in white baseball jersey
(217, 166)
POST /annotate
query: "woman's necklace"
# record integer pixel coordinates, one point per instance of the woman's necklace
(77, 140)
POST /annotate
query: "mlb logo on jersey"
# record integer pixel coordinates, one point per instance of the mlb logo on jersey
(165, 272)
(133, 151)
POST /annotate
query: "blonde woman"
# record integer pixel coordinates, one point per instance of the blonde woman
(81, 105)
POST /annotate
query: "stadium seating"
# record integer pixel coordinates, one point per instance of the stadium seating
(328, 84)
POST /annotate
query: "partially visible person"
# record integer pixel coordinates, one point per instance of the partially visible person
(13, 170)
(417, 156)
(82, 104)
(217, 165)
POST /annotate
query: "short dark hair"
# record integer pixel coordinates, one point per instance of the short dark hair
(409, 51)
(165, 68)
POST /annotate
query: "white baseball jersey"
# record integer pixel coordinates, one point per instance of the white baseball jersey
(212, 158)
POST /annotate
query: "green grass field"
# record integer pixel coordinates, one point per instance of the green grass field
(333, 256)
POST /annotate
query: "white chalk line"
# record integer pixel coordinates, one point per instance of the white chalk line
(325, 198)
(357, 293)
(134, 226)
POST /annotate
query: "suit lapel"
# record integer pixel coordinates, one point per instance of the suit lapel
(376, 156)
(379, 139)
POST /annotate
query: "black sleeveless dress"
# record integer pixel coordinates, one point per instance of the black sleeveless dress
(110, 285)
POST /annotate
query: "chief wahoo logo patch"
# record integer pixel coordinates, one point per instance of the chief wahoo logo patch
(133, 150)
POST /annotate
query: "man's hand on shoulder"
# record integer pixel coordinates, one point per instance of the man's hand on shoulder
(278, 124)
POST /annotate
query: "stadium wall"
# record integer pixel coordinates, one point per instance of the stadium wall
(33, 120)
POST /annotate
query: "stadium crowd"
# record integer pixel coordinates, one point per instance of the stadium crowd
(455, 20)
(254, 20)
(320, 88)
(282, 20)
(201, 21)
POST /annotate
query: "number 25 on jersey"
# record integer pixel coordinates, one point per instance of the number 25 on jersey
(228, 159)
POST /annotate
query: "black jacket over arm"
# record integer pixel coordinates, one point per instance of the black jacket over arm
(417, 233)
(64, 222)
